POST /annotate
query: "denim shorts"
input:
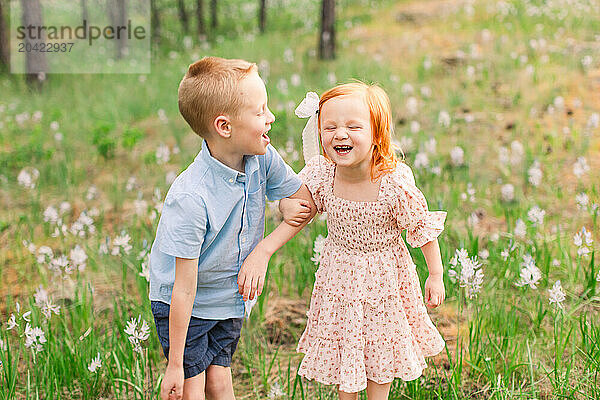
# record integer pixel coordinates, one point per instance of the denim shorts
(208, 341)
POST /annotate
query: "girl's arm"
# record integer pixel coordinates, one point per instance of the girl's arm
(434, 285)
(251, 277)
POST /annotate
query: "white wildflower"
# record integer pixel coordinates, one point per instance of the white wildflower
(295, 80)
(28, 177)
(162, 115)
(473, 220)
(582, 200)
(137, 335)
(64, 207)
(275, 391)
(51, 215)
(318, 246)
(556, 294)
(530, 273)
(593, 121)
(34, 338)
(457, 156)
(121, 242)
(415, 126)
(483, 254)
(508, 192)
(421, 160)
(430, 146)
(536, 215)
(412, 106)
(470, 275)
(95, 364)
(535, 174)
(78, 257)
(12, 322)
(131, 183)
(92, 192)
(517, 152)
(444, 118)
(583, 239)
(44, 254)
(503, 155)
(162, 154)
(580, 167)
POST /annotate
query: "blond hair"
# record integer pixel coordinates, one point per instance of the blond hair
(208, 89)
(384, 159)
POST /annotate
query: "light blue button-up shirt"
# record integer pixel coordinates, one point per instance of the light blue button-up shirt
(216, 214)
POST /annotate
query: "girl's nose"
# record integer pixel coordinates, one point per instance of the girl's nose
(341, 133)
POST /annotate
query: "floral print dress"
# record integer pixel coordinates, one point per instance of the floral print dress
(367, 319)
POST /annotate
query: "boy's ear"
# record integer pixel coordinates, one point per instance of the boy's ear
(222, 126)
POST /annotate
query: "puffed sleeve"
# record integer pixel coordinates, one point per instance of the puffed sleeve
(410, 207)
(182, 226)
(313, 176)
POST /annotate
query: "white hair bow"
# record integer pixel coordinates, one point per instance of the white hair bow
(309, 108)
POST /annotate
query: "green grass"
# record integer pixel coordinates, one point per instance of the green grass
(509, 342)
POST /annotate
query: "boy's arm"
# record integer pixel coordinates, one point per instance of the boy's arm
(252, 273)
(182, 301)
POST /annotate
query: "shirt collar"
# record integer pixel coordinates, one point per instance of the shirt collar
(218, 168)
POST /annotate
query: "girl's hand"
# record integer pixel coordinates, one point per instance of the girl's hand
(295, 211)
(434, 291)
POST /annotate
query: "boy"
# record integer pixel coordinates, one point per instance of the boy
(212, 218)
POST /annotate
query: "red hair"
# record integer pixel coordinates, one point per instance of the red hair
(384, 159)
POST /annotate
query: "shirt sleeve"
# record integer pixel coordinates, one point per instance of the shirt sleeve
(282, 181)
(410, 207)
(313, 175)
(182, 225)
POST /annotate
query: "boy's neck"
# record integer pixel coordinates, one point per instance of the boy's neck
(219, 151)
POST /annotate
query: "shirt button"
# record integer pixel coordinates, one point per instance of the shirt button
(243, 240)
(230, 180)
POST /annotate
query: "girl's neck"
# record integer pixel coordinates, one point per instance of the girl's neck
(356, 174)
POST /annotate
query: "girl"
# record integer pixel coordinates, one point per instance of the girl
(367, 322)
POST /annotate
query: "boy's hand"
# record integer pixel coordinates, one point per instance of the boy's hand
(251, 278)
(434, 291)
(295, 211)
(172, 384)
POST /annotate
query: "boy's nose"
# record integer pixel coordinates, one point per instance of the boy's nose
(270, 117)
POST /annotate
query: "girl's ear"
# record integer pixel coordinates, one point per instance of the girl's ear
(222, 126)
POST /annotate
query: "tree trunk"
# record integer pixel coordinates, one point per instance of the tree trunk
(200, 18)
(4, 43)
(36, 64)
(84, 11)
(262, 16)
(122, 18)
(183, 16)
(117, 14)
(213, 14)
(327, 39)
(155, 21)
